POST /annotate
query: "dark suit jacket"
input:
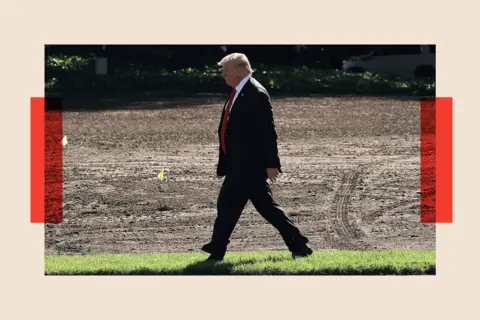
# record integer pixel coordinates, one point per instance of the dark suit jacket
(251, 138)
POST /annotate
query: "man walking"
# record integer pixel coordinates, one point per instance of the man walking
(248, 157)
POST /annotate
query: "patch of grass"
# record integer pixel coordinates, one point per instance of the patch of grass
(394, 262)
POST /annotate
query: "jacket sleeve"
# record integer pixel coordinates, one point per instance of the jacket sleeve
(264, 125)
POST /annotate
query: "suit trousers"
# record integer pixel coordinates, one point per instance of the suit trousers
(233, 197)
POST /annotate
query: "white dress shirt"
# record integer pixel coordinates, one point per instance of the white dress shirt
(239, 88)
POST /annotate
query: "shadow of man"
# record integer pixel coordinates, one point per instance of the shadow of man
(206, 267)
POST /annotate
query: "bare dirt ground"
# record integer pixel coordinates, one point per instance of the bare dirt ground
(351, 177)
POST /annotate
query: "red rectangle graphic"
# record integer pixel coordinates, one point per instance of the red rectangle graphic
(37, 160)
(53, 160)
(436, 160)
(444, 159)
(46, 160)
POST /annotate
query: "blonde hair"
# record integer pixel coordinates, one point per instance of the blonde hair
(237, 60)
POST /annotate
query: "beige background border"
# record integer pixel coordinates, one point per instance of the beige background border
(27, 26)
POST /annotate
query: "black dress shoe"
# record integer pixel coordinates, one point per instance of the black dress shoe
(207, 248)
(304, 252)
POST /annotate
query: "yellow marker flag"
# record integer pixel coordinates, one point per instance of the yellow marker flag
(160, 175)
(64, 141)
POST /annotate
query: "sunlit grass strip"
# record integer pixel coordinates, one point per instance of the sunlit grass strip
(395, 262)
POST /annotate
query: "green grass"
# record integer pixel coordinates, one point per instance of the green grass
(395, 262)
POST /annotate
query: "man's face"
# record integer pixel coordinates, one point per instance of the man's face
(231, 74)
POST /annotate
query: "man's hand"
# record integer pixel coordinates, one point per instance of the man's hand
(272, 174)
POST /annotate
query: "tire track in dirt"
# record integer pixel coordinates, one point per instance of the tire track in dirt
(344, 232)
(348, 234)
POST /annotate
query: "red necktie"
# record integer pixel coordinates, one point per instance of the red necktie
(225, 119)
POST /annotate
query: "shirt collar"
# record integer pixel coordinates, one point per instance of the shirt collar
(242, 83)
